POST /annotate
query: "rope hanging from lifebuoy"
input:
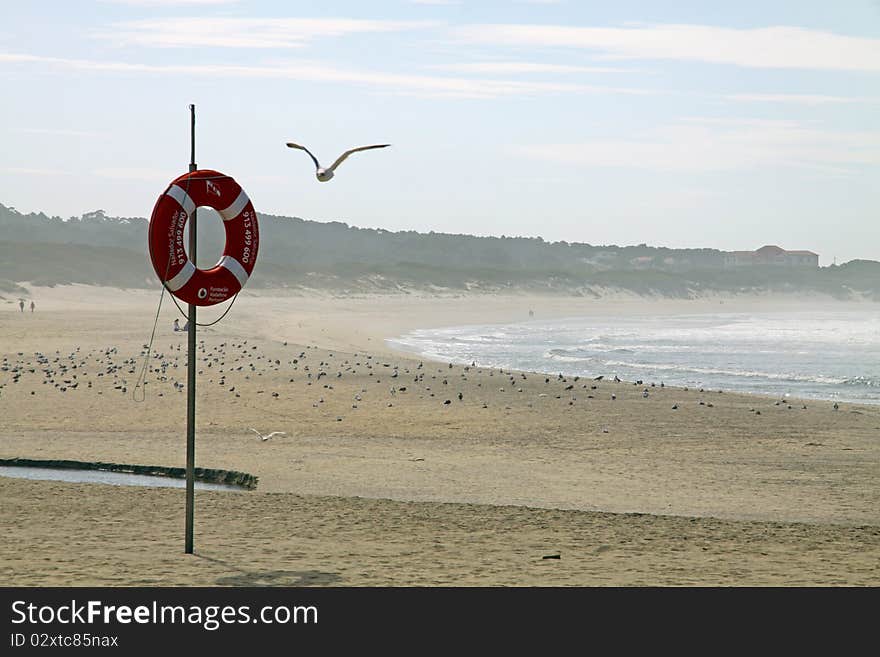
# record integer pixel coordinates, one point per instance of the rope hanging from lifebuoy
(203, 287)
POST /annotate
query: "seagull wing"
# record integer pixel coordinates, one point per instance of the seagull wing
(290, 144)
(342, 157)
(274, 433)
(256, 432)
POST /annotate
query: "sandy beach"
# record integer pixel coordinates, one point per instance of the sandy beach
(379, 481)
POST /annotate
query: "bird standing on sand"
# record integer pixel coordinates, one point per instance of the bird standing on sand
(268, 435)
(325, 174)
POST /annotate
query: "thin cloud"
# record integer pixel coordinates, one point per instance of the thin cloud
(769, 47)
(317, 72)
(168, 3)
(805, 99)
(527, 67)
(736, 122)
(723, 146)
(146, 175)
(28, 171)
(257, 33)
(61, 132)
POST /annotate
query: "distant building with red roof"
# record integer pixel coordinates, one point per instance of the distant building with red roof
(771, 255)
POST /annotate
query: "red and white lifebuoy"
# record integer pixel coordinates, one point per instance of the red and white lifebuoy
(203, 287)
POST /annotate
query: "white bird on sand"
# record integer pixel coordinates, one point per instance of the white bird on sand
(325, 174)
(269, 435)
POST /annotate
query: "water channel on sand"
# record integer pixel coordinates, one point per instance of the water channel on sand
(107, 477)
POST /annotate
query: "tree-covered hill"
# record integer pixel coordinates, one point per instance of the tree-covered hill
(297, 253)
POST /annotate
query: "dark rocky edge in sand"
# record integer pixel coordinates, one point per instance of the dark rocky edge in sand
(207, 475)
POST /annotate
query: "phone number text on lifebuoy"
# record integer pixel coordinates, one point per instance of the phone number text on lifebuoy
(248, 237)
(175, 238)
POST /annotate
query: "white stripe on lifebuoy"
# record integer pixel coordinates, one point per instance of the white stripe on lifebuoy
(235, 268)
(182, 277)
(182, 198)
(235, 209)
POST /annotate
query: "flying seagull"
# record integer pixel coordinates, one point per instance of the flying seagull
(268, 435)
(326, 174)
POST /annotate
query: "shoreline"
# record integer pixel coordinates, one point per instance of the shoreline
(371, 323)
(463, 347)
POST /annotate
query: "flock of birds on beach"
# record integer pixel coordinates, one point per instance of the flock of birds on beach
(233, 367)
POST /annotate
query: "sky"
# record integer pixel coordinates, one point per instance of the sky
(684, 124)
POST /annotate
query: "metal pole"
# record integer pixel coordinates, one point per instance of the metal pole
(191, 363)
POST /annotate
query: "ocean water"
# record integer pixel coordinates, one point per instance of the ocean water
(831, 355)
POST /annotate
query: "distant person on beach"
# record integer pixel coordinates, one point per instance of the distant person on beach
(21, 305)
(185, 326)
(176, 324)
(32, 306)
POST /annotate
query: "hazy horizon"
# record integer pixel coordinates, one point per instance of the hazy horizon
(684, 126)
(215, 232)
